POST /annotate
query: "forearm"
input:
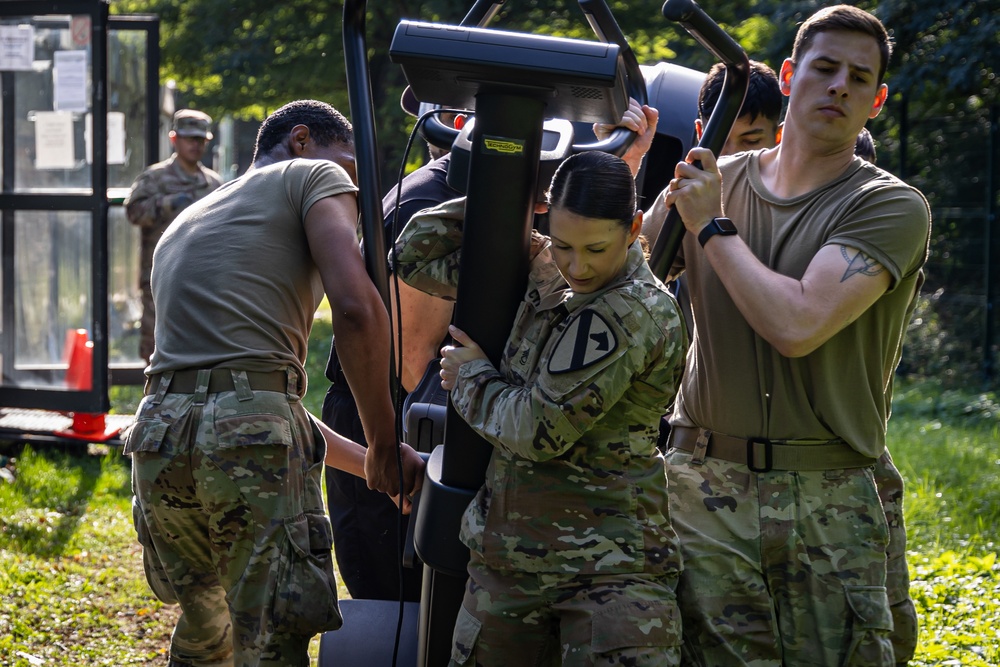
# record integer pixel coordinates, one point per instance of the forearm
(777, 307)
(157, 208)
(142, 210)
(342, 453)
(362, 335)
(519, 420)
(794, 314)
(345, 454)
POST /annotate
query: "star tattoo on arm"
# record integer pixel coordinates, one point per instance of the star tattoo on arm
(859, 262)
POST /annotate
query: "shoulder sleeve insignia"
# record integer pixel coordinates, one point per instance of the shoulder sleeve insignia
(588, 339)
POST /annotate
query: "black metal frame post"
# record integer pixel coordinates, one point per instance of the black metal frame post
(502, 175)
(501, 193)
(359, 91)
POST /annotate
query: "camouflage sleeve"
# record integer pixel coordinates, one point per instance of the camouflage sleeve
(143, 206)
(212, 181)
(610, 347)
(160, 193)
(428, 250)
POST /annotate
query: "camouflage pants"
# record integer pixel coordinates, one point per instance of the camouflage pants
(780, 568)
(229, 511)
(897, 576)
(539, 619)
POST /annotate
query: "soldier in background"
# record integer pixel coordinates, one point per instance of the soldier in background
(161, 192)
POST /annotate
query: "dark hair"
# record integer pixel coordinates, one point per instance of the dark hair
(763, 98)
(595, 185)
(844, 18)
(326, 125)
(864, 147)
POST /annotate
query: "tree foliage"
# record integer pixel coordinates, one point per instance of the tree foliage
(247, 58)
(948, 46)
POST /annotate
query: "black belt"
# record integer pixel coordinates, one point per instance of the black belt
(221, 379)
(763, 455)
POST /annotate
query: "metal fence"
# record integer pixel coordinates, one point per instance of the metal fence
(954, 160)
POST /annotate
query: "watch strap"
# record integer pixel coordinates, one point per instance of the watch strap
(723, 226)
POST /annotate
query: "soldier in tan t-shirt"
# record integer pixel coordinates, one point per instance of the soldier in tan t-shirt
(758, 127)
(227, 464)
(800, 303)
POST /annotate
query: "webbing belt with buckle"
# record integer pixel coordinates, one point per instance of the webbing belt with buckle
(763, 455)
(221, 379)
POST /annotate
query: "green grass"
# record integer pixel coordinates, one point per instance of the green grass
(947, 445)
(71, 585)
(72, 590)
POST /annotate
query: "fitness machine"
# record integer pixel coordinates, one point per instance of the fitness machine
(512, 82)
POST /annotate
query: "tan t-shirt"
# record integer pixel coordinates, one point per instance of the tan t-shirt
(234, 282)
(738, 384)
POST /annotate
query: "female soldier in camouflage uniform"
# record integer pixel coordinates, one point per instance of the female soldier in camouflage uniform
(573, 557)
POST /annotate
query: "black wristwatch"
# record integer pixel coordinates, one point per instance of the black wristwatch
(722, 226)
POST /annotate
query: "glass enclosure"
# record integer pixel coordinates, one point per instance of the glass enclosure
(50, 59)
(131, 148)
(52, 280)
(75, 132)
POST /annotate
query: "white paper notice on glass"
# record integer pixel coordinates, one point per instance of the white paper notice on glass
(17, 47)
(116, 137)
(54, 140)
(70, 80)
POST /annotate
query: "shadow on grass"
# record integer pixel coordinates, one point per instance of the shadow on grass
(43, 509)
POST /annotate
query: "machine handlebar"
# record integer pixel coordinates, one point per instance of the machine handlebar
(734, 88)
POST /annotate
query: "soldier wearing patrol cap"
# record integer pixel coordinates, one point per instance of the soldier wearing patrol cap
(161, 192)
(574, 559)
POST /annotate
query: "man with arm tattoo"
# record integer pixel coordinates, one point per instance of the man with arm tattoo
(801, 295)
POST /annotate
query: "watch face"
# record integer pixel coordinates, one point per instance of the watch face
(726, 225)
(721, 226)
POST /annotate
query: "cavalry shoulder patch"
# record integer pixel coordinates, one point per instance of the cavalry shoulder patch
(588, 339)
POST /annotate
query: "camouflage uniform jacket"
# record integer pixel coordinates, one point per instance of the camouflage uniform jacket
(152, 204)
(575, 483)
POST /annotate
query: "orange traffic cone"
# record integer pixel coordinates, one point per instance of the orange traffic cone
(79, 360)
(89, 422)
(79, 377)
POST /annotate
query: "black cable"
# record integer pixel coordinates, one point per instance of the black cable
(397, 394)
(397, 397)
